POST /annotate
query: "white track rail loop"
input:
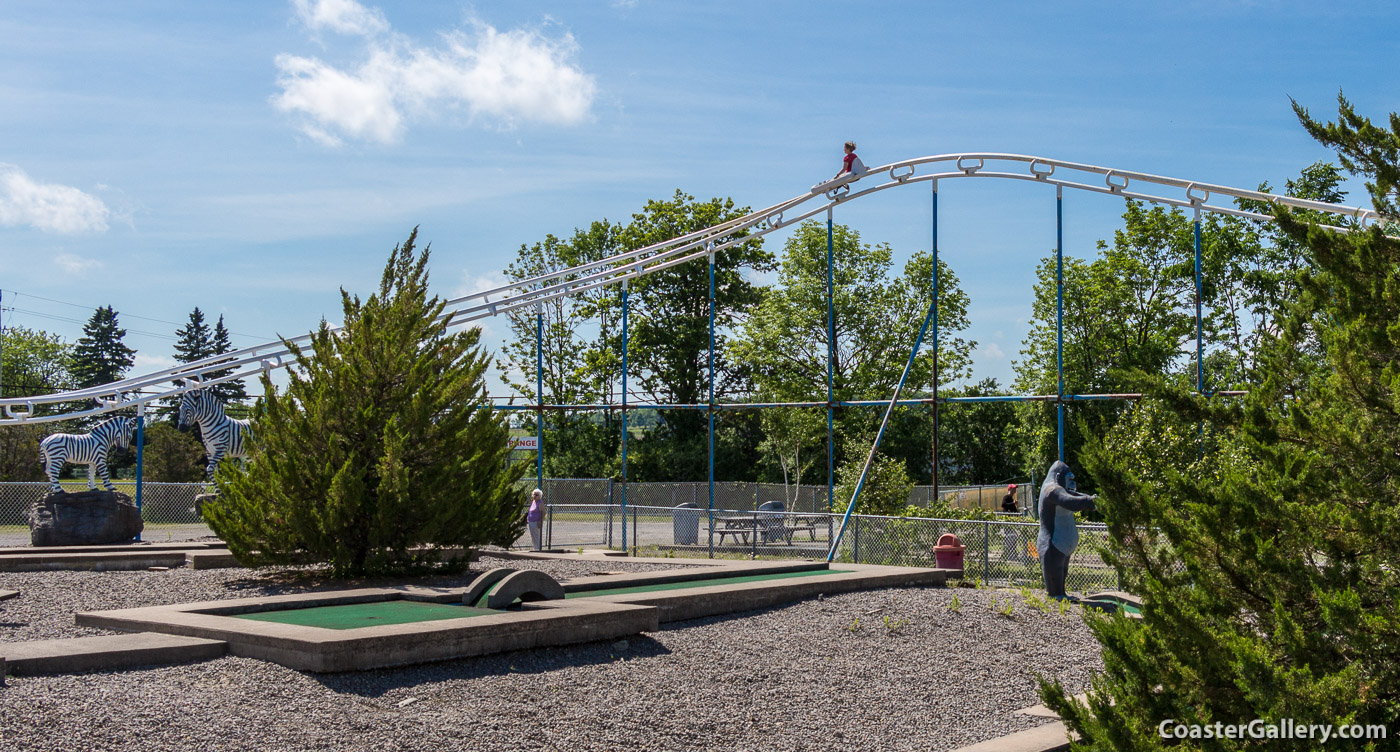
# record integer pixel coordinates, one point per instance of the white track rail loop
(252, 361)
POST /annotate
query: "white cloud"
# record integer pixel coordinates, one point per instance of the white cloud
(143, 363)
(74, 264)
(475, 283)
(342, 16)
(504, 77)
(361, 106)
(48, 206)
(990, 351)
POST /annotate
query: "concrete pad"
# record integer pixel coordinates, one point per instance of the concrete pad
(108, 561)
(688, 574)
(106, 652)
(120, 547)
(699, 602)
(210, 560)
(1052, 737)
(535, 624)
(330, 650)
(1040, 711)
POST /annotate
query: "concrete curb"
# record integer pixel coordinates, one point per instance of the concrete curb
(211, 560)
(95, 562)
(107, 652)
(1052, 737)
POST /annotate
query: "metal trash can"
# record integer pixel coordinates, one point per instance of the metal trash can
(685, 524)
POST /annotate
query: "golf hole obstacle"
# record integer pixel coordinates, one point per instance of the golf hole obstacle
(354, 630)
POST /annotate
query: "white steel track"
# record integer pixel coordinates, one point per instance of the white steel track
(690, 247)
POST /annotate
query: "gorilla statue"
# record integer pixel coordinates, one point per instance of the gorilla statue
(1058, 534)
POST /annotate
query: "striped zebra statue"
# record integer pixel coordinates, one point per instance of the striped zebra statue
(85, 449)
(223, 436)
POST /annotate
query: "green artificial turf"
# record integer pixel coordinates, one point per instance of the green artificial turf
(357, 615)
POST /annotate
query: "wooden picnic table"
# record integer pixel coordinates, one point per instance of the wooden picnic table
(737, 525)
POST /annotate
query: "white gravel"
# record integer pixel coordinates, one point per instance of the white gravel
(895, 669)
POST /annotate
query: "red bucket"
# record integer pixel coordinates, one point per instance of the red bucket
(949, 552)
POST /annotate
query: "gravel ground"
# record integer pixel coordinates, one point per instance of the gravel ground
(896, 669)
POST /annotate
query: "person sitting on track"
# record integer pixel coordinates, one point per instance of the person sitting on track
(850, 164)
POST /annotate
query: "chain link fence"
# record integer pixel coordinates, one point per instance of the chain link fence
(996, 552)
(167, 509)
(800, 499)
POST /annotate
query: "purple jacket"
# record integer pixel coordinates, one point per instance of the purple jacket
(536, 512)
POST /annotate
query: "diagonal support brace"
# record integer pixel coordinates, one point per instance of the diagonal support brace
(875, 447)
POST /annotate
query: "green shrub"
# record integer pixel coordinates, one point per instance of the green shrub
(886, 489)
(171, 455)
(381, 449)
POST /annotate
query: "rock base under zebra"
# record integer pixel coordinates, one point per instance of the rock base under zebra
(87, 518)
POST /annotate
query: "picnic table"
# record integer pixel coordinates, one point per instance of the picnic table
(769, 527)
(738, 526)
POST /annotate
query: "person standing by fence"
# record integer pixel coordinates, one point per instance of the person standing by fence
(535, 517)
(1008, 502)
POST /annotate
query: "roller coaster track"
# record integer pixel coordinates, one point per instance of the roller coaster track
(694, 246)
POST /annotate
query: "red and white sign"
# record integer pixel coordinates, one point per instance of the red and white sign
(528, 443)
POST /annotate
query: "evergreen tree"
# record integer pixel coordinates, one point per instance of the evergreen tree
(229, 392)
(381, 442)
(1269, 565)
(100, 356)
(193, 341)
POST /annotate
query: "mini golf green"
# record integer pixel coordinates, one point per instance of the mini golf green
(704, 583)
(373, 614)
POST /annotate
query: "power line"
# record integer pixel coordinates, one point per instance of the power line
(258, 337)
(40, 314)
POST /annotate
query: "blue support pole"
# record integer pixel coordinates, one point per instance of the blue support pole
(539, 396)
(1200, 355)
(624, 419)
(1060, 317)
(875, 447)
(935, 338)
(140, 455)
(830, 364)
(711, 404)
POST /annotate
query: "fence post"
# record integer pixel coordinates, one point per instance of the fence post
(712, 532)
(856, 558)
(634, 532)
(549, 526)
(986, 551)
(753, 553)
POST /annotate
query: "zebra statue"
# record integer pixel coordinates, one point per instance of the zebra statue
(85, 449)
(223, 436)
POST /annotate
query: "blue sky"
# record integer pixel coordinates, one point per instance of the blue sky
(251, 158)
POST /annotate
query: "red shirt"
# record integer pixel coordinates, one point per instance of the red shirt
(846, 162)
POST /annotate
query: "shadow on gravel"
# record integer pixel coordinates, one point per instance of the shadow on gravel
(313, 580)
(538, 661)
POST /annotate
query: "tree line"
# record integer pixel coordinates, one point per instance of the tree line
(36, 362)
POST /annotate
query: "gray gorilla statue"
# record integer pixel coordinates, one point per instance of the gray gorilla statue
(1058, 534)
